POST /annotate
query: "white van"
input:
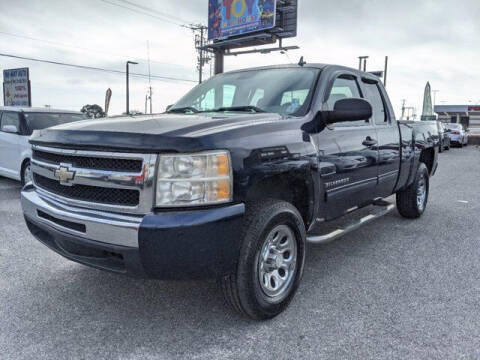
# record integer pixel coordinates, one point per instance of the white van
(16, 126)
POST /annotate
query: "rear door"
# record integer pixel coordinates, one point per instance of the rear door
(10, 158)
(388, 137)
(348, 154)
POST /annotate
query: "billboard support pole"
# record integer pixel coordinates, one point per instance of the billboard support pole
(219, 61)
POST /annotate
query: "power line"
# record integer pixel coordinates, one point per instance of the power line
(142, 12)
(84, 67)
(148, 9)
(65, 45)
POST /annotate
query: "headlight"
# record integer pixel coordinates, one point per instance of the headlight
(193, 180)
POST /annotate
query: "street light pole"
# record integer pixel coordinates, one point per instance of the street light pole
(128, 85)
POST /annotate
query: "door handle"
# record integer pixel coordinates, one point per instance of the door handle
(369, 142)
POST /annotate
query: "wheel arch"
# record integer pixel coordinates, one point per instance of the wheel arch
(294, 187)
(25, 161)
(427, 156)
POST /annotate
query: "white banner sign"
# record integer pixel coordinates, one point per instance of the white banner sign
(16, 87)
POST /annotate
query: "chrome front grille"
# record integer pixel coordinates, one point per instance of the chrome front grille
(94, 163)
(118, 182)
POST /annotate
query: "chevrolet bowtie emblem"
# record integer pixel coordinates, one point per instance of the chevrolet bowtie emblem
(64, 175)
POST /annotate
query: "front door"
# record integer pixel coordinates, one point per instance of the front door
(388, 139)
(348, 155)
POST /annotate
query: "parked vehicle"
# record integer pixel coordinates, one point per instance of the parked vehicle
(444, 136)
(231, 182)
(458, 136)
(16, 126)
(434, 130)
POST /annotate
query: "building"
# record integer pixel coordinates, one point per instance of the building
(467, 115)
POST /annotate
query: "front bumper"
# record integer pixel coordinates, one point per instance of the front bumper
(195, 244)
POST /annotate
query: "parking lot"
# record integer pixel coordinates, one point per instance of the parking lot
(394, 289)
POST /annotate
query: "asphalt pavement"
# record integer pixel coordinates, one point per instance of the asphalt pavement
(396, 289)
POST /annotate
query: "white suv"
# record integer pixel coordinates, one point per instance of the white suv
(16, 126)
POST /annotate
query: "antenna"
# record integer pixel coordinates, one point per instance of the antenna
(302, 62)
(149, 78)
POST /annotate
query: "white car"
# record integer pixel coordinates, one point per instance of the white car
(16, 126)
(458, 135)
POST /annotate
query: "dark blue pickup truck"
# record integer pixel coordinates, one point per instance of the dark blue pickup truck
(231, 181)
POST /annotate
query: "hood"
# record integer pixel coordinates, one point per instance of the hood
(158, 132)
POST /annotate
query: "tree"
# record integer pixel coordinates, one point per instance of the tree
(93, 111)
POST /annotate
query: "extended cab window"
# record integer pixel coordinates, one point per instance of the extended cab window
(372, 94)
(9, 118)
(344, 88)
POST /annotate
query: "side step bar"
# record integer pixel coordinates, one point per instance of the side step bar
(351, 226)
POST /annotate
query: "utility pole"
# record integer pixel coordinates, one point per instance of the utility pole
(128, 84)
(200, 60)
(149, 81)
(403, 108)
(200, 32)
(413, 110)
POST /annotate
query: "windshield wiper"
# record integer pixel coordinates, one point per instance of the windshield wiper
(248, 108)
(182, 110)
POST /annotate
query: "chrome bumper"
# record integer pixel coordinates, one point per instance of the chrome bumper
(104, 227)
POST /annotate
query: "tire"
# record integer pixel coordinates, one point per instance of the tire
(247, 290)
(26, 173)
(410, 203)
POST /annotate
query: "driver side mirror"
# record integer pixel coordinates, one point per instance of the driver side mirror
(351, 109)
(11, 129)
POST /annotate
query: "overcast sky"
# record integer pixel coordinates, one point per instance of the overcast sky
(426, 40)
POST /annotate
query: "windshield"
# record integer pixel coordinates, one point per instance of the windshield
(40, 121)
(282, 91)
(454, 126)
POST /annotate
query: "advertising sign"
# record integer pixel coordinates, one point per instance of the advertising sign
(227, 18)
(16, 87)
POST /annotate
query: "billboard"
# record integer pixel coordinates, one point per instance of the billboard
(227, 18)
(16, 87)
